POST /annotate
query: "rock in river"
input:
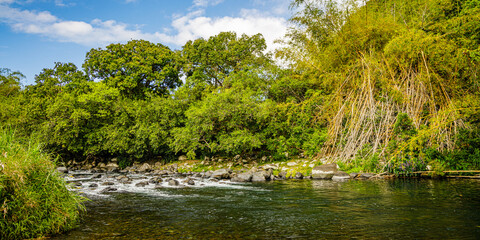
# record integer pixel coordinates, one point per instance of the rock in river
(108, 189)
(258, 177)
(62, 170)
(173, 182)
(325, 171)
(221, 174)
(340, 176)
(243, 177)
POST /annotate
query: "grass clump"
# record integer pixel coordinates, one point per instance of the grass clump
(34, 199)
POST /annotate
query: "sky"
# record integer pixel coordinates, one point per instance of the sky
(34, 34)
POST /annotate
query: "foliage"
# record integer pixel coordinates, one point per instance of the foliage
(211, 61)
(35, 201)
(135, 68)
(378, 85)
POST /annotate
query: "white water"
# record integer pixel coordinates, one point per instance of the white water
(152, 189)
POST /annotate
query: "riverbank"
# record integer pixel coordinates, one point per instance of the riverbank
(34, 199)
(184, 173)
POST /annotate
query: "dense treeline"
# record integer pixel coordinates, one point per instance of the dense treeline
(387, 85)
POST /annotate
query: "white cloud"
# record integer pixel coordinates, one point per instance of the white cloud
(206, 3)
(183, 28)
(6, 1)
(250, 22)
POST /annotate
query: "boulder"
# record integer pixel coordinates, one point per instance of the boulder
(93, 185)
(291, 164)
(189, 181)
(258, 177)
(173, 168)
(155, 180)
(298, 175)
(340, 176)
(353, 175)
(282, 175)
(365, 176)
(108, 183)
(108, 189)
(141, 184)
(62, 170)
(325, 171)
(112, 167)
(145, 168)
(97, 175)
(270, 166)
(243, 177)
(173, 182)
(221, 174)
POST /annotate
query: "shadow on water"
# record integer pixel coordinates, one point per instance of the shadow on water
(396, 209)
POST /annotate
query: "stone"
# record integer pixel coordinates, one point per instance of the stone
(221, 174)
(243, 177)
(141, 184)
(298, 175)
(365, 176)
(158, 165)
(268, 174)
(190, 182)
(258, 177)
(145, 167)
(282, 175)
(340, 176)
(108, 183)
(93, 185)
(173, 182)
(291, 164)
(173, 167)
(108, 189)
(353, 175)
(112, 164)
(120, 177)
(62, 170)
(155, 180)
(208, 174)
(324, 171)
(270, 166)
(77, 184)
(96, 175)
(182, 158)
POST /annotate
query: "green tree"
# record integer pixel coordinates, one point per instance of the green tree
(135, 68)
(211, 61)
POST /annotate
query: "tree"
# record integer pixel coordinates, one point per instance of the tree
(9, 82)
(135, 68)
(212, 60)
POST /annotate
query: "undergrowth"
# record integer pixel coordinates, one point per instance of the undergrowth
(34, 199)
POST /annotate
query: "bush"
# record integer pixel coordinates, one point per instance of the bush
(34, 199)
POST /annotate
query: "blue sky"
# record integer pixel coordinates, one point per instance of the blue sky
(34, 34)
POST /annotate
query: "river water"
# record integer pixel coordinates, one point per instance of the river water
(291, 209)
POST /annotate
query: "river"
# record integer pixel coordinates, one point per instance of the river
(290, 209)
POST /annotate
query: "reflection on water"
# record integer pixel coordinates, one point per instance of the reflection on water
(307, 209)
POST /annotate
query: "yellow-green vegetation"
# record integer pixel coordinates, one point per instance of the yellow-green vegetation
(34, 199)
(373, 85)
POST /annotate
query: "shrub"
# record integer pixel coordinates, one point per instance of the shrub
(34, 199)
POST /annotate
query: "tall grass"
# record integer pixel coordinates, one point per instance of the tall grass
(34, 199)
